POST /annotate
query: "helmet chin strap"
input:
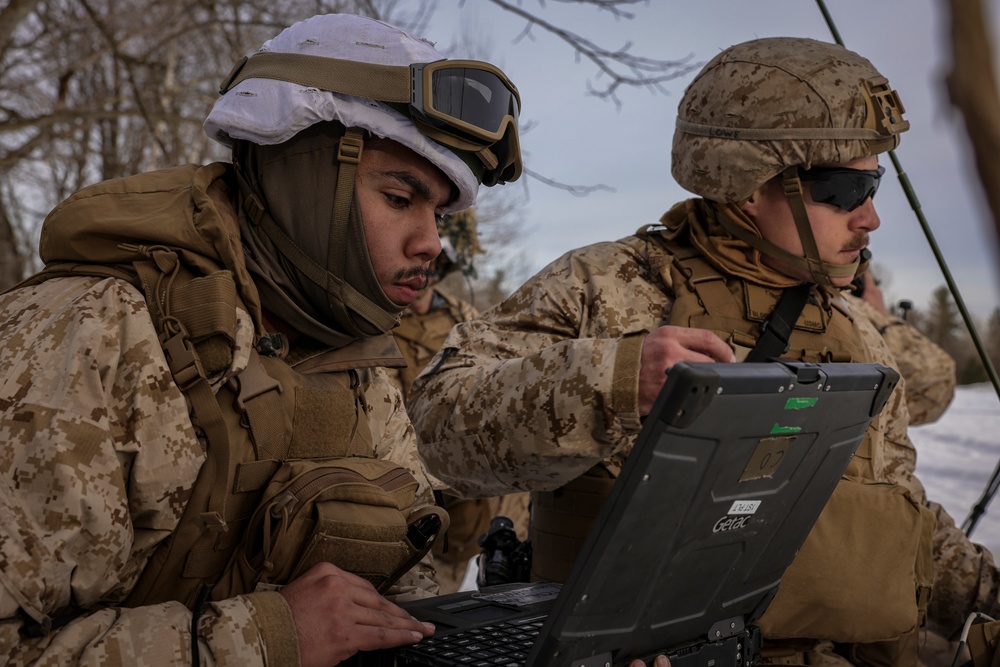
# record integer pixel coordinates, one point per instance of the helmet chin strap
(821, 271)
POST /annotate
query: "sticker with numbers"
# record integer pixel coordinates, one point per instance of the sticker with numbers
(744, 507)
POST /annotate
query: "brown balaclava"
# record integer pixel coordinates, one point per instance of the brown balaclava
(312, 271)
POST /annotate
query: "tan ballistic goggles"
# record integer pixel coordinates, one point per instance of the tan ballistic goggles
(466, 105)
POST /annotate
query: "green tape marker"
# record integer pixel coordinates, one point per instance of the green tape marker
(785, 429)
(800, 403)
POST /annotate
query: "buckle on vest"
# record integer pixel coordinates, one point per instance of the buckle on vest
(214, 522)
(776, 331)
(184, 364)
(254, 208)
(253, 382)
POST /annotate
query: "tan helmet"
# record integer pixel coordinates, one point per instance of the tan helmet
(768, 104)
(777, 106)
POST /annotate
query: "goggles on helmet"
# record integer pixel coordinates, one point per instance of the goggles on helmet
(847, 189)
(471, 101)
(466, 105)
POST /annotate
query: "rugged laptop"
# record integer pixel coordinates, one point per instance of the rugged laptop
(729, 473)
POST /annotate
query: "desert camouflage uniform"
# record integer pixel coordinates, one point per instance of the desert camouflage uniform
(99, 459)
(928, 369)
(419, 336)
(544, 387)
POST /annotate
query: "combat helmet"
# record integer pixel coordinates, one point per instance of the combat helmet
(775, 106)
(297, 113)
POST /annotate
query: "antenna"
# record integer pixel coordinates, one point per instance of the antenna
(911, 196)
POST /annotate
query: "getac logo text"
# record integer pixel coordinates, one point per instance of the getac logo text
(728, 523)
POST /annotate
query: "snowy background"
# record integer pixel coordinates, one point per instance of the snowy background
(956, 457)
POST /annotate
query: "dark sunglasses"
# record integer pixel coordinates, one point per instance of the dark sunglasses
(846, 189)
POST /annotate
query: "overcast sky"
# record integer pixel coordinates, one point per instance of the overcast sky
(578, 138)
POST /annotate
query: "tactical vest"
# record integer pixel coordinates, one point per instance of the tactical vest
(420, 337)
(865, 571)
(303, 417)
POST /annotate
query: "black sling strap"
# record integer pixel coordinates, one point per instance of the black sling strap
(776, 330)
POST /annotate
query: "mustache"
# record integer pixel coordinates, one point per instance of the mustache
(413, 272)
(859, 241)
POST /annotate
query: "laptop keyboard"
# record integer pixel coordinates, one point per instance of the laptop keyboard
(504, 644)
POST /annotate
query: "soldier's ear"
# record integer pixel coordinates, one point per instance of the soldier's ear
(751, 205)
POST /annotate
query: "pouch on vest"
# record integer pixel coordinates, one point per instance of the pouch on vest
(984, 644)
(826, 593)
(353, 512)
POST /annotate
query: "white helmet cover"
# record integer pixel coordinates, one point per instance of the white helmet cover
(268, 111)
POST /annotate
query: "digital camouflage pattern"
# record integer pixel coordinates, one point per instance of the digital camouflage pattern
(99, 461)
(544, 386)
(747, 88)
(419, 337)
(928, 369)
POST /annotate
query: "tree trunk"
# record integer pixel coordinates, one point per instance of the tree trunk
(972, 86)
(12, 265)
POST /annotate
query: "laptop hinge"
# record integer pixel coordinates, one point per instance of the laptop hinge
(725, 628)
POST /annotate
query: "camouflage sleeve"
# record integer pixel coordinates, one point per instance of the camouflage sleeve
(929, 370)
(98, 460)
(543, 386)
(466, 311)
(398, 443)
(966, 578)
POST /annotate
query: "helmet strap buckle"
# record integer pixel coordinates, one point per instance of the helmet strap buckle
(793, 191)
(233, 74)
(350, 148)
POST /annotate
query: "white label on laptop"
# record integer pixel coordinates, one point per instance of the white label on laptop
(744, 507)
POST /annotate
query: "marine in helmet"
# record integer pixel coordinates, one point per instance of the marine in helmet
(206, 339)
(779, 139)
(929, 370)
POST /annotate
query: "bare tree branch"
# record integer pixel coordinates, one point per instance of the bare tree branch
(576, 190)
(620, 66)
(11, 17)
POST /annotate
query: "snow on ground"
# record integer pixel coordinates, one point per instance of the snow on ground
(956, 457)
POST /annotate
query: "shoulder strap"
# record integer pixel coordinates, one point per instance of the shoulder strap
(195, 319)
(776, 330)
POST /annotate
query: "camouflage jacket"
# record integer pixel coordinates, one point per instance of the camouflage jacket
(929, 370)
(544, 386)
(100, 456)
